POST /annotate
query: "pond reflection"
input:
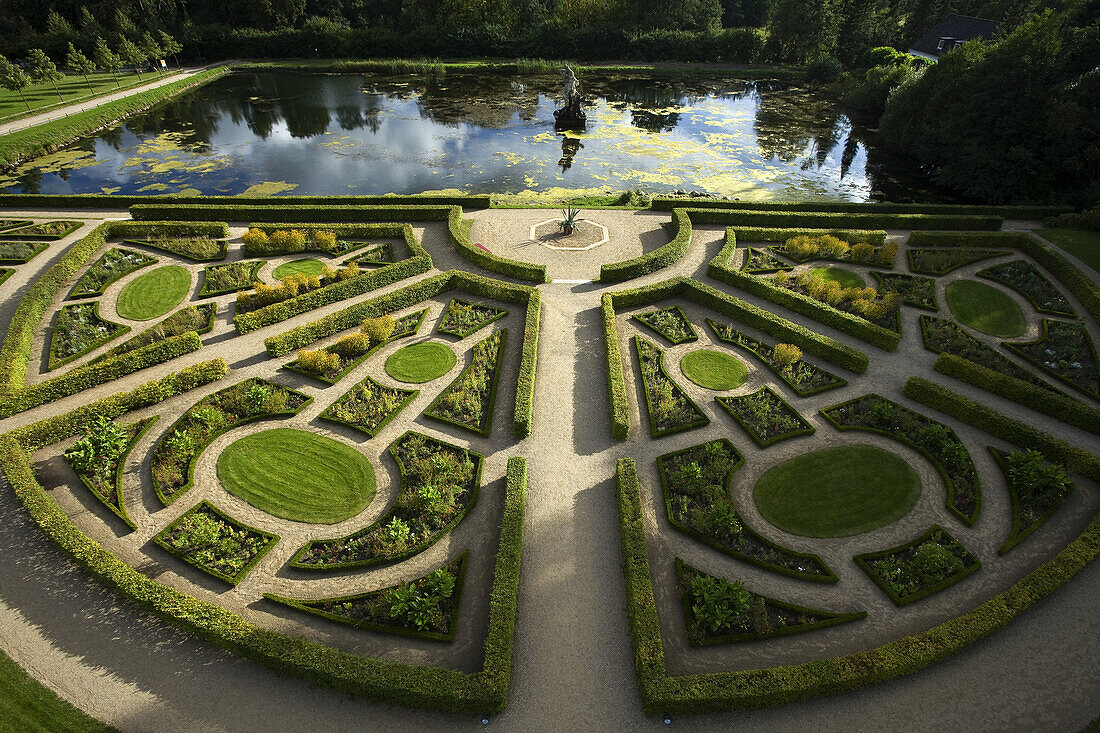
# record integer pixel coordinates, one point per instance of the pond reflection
(479, 132)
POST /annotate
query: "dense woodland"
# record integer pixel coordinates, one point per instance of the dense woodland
(1016, 119)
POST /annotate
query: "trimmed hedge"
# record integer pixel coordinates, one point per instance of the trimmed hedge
(989, 420)
(122, 201)
(876, 237)
(661, 203)
(276, 211)
(753, 688)
(833, 219)
(1076, 282)
(460, 238)
(663, 256)
(1055, 404)
(616, 381)
(720, 268)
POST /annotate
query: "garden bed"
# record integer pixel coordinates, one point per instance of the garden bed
(18, 253)
(803, 377)
(292, 286)
(468, 401)
(947, 337)
(57, 229)
(1065, 351)
(937, 442)
(99, 459)
(671, 323)
(376, 256)
(197, 249)
(695, 483)
(462, 318)
(919, 292)
(766, 417)
(229, 278)
(439, 485)
(1025, 279)
(761, 262)
(9, 224)
(215, 543)
(369, 406)
(5, 273)
(919, 568)
(806, 248)
(337, 360)
(1037, 488)
(173, 460)
(114, 265)
(78, 331)
(865, 303)
(943, 261)
(197, 318)
(717, 611)
(426, 608)
(670, 409)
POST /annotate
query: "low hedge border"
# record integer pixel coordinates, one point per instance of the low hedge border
(987, 419)
(274, 210)
(389, 682)
(640, 318)
(420, 545)
(459, 230)
(663, 256)
(806, 428)
(616, 379)
(114, 276)
(353, 364)
(743, 217)
(55, 362)
(865, 561)
(1073, 279)
(1053, 404)
(223, 248)
(456, 593)
(409, 397)
(990, 275)
(371, 229)
(25, 233)
(876, 237)
(42, 247)
(837, 383)
(122, 201)
(487, 428)
(1044, 332)
(1015, 536)
(654, 431)
(700, 693)
(721, 268)
(940, 468)
(96, 373)
(7, 225)
(418, 292)
(271, 540)
(663, 203)
(120, 469)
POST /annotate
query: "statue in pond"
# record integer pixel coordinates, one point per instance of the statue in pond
(571, 115)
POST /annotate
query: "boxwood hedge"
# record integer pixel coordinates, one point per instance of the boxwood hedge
(96, 201)
(652, 261)
(660, 203)
(459, 230)
(840, 220)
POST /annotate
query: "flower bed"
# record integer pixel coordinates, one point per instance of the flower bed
(197, 318)
(292, 286)
(1065, 351)
(919, 568)
(805, 247)
(670, 323)
(426, 607)
(864, 303)
(98, 459)
(914, 290)
(439, 485)
(112, 266)
(57, 229)
(229, 278)
(1025, 279)
(9, 224)
(761, 262)
(695, 482)
(468, 401)
(197, 248)
(462, 318)
(717, 611)
(670, 409)
(802, 376)
(17, 253)
(175, 453)
(766, 417)
(369, 406)
(381, 254)
(5, 273)
(332, 363)
(79, 330)
(943, 261)
(947, 337)
(1037, 489)
(215, 543)
(934, 440)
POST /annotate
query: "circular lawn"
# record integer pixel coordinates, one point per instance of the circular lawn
(155, 293)
(837, 492)
(298, 475)
(846, 278)
(985, 308)
(713, 369)
(298, 267)
(421, 362)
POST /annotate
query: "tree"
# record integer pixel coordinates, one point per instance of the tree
(107, 59)
(800, 30)
(131, 54)
(78, 63)
(13, 78)
(149, 47)
(59, 33)
(171, 46)
(44, 70)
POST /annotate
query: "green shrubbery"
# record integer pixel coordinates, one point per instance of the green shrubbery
(651, 262)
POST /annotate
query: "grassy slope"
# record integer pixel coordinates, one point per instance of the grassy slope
(155, 293)
(985, 308)
(420, 363)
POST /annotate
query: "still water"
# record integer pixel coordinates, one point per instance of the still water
(481, 132)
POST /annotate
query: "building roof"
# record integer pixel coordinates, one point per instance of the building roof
(957, 28)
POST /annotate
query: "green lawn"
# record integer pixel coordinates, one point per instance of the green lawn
(421, 362)
(27, 706)
(72, 88)
(846, 278)
(985, 308)
(1080, 243)
(713, 369)
(155, 293)
(298, 267)
(837, 492)
(298, 475)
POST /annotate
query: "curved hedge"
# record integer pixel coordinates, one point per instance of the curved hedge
(699, 693)
(663, 256)
(661, 203)
(460, 238)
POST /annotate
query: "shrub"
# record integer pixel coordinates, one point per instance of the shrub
(353, 345)
(255, 239)
(324, 240)
(319, 361)
(862, 252)
(378, 329)
(823, 68)
(785, 356)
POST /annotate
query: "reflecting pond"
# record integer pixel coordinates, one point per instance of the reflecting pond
(481, 132)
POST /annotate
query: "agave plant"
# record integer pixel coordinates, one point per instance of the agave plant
(570, 218)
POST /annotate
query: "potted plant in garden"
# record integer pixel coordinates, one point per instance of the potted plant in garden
(570, 219)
